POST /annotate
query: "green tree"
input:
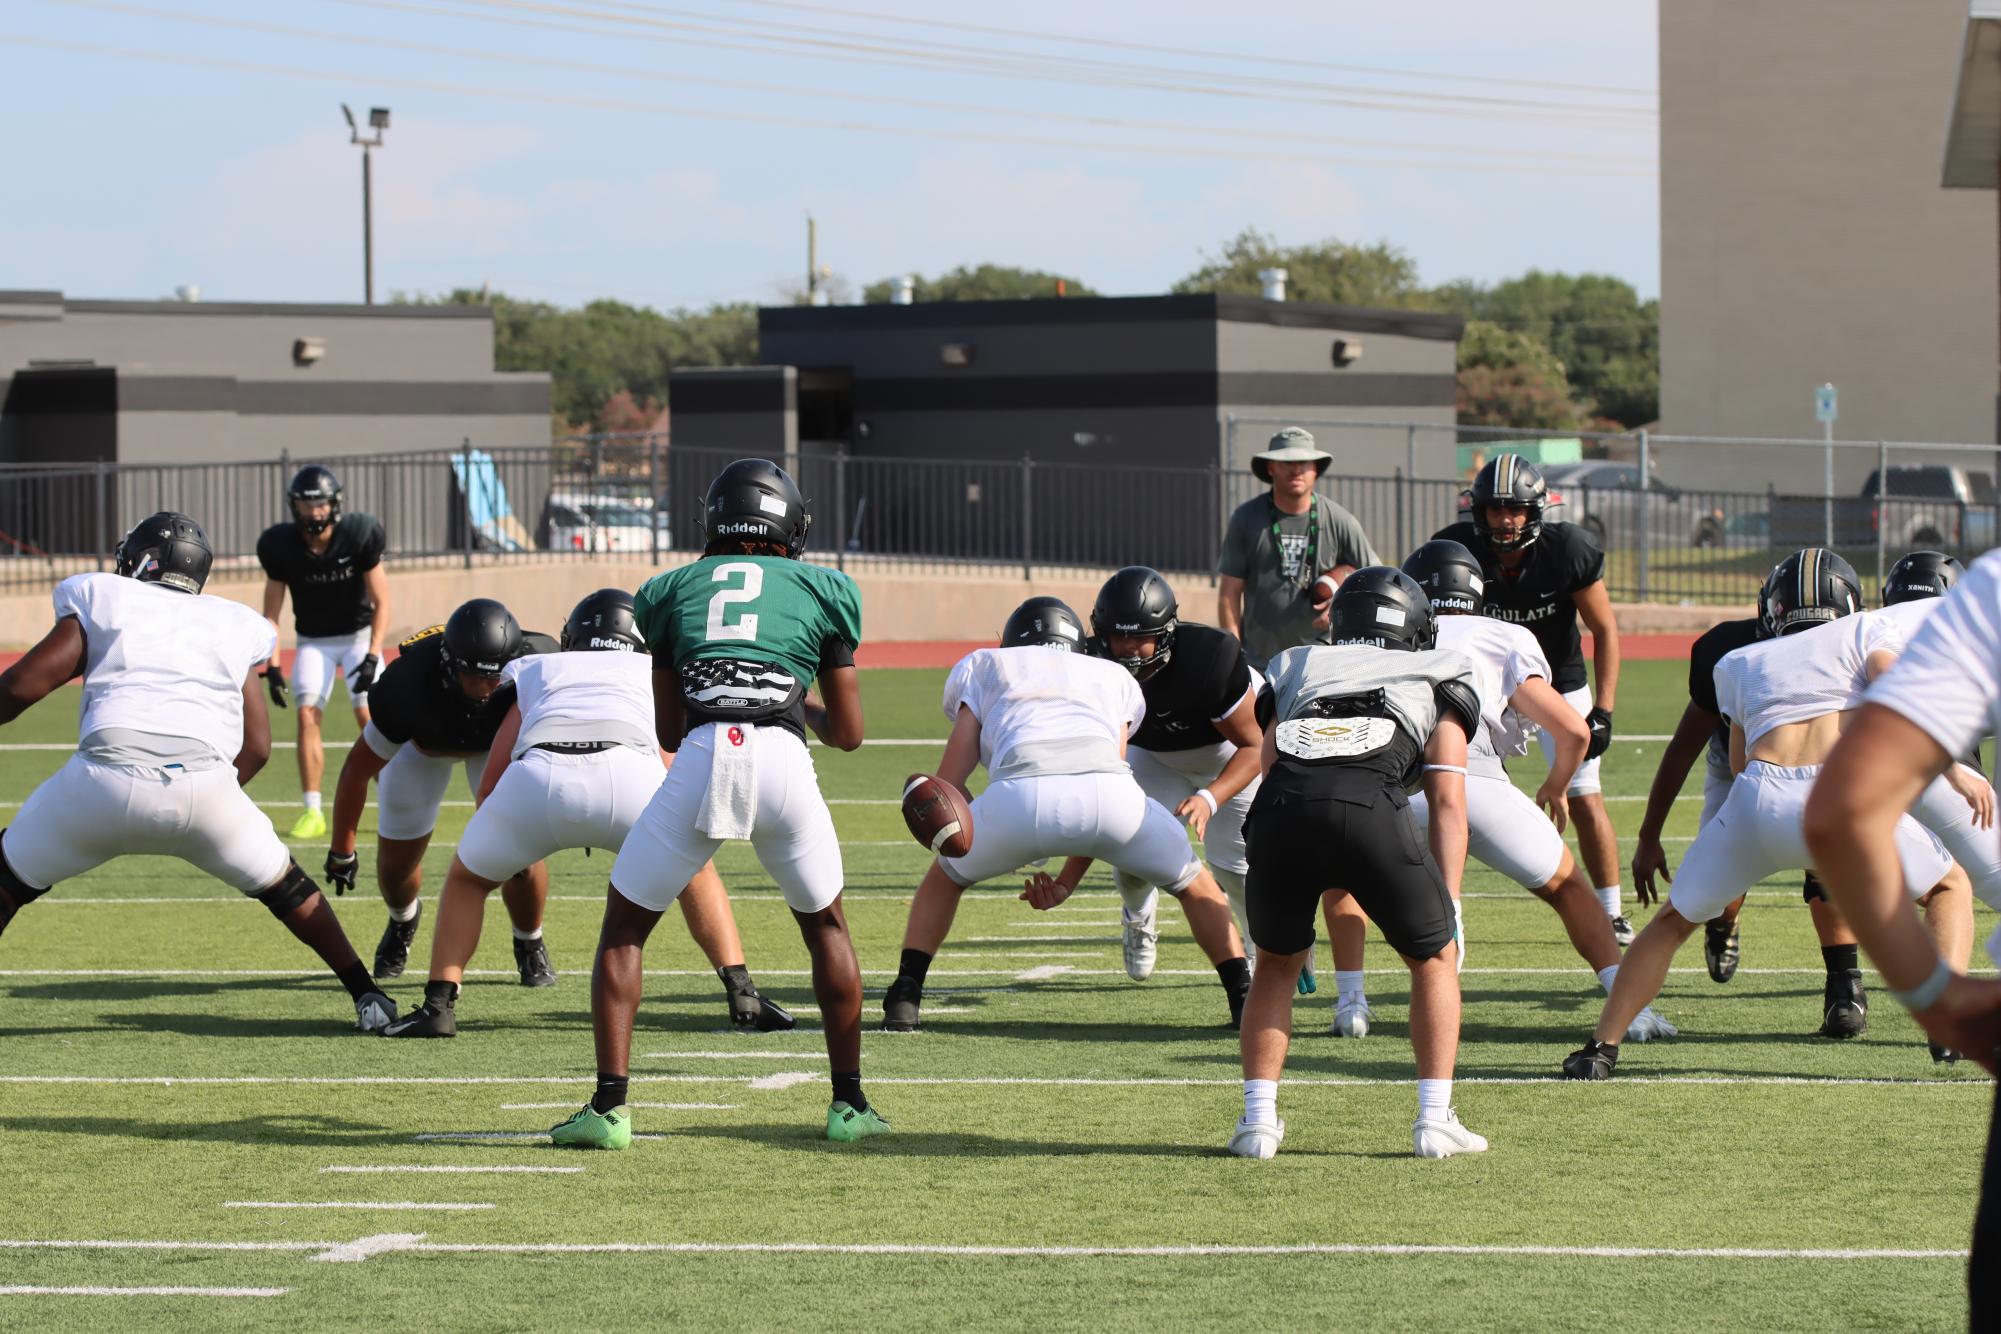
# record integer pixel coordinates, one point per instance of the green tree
(1606, 337)
(1331, 271)
(982, 282)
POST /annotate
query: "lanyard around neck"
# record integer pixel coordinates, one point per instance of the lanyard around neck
(1306, 558)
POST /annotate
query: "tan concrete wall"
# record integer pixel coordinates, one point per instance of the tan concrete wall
(1805, 237)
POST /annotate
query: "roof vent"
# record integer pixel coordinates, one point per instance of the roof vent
(1274, 281)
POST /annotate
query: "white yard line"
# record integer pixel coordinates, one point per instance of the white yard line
(400, 1205)
(29, 1290)
(570, 1106)
(64, 747)
(1045, 973)
(785, 1079)
(358, 1250)
(734, 1056)
(1039, 974)
(478, 1136)
(1042, 940)
(456, 1170)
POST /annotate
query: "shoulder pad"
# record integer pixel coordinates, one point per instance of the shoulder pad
(418, 638)
(1458, 700)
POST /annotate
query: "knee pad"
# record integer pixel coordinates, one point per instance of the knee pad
(284, 897)
(1810, 889)
(17, 889)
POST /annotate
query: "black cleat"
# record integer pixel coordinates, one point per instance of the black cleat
(392, 952)
(532, 958)
(1942, 1055)
(1594, 1060)
(1720, 948)
(1622, 930)
(1844, 1005)
(426, 1021)
(899, 1007)
(753, 1010)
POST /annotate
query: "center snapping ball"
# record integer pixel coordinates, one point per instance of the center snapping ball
(937, 815)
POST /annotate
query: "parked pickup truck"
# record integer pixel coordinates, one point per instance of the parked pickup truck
(1926, 506)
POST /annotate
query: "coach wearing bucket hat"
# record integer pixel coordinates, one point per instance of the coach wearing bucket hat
(1277, 547)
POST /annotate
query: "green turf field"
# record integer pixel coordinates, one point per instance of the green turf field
(168, 1056)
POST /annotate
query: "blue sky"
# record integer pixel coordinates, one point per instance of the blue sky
(667, 152)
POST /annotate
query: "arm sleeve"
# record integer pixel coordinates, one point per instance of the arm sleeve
(389, 706)
(70, 598)
(1948, 679)
(372, 544)
(959, 689)
(1267, 706)
(267, 554)
(846, 605)
(262, 638)
(1239, 545)
(1524, 661)
(1233, 681)
(1702, 675)
(1723, 691)
(1586, 562)
(835, 652)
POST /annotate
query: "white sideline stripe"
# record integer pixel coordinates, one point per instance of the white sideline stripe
(76, 1244)
(354, 1252)
(356, 1204)
(463, 1170)
(65, 746)
(1041, 940)
(1044, 973)
(26, 1290)
(567, 1106)
(783, 1080)
(734, 1056)
(474, 1136)
(1031, 975)
(786, 1079)
(831, 801)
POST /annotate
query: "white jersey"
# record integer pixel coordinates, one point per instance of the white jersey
(1504, 655)
(585, 696)
(162, 662)
(1045, 710)
(1948, 680)
(1909, 616)
(1802, 676)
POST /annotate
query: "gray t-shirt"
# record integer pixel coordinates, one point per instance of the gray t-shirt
(1416, 686)
(1277, 614)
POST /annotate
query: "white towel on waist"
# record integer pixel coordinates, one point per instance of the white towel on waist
(729, 808)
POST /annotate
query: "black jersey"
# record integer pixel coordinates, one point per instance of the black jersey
(1708, 650)
(416, 701)
(329, 596)
(1537, 593)
(1205, 677)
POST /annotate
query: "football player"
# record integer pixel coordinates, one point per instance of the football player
(1349, 728)
(1051, 723)
(737, 637)
(1787, 698)
(331, 563)
(573, 763)
(1546, 576)
(1196, 750)
(173, 726)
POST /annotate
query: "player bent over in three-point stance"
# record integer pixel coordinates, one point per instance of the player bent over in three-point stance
(173, 726)
(736, 637)
(574, 763)
(1348, 730)
(1050, 724)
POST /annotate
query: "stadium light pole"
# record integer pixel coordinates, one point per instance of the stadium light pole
(378, 121)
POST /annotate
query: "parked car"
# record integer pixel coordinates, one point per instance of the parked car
(1927, 506)
(574, 521)
(1604, 500)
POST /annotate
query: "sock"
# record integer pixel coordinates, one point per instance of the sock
(1840, 958)
(914, 964)
(1261, 1101)
(1348, 986)
(1608, 975)
(1459, 935)
(357, 979)
(442, 995)
(1236, 975)
(519, 934)
(848, 1089)
(611, 1093)
(1136, 895)
(736, 980)
(312, 800)
(1608, 896)
(407, 913)
(1434, 1099)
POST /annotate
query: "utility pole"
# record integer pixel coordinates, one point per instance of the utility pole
(812, 261)
(378, 121)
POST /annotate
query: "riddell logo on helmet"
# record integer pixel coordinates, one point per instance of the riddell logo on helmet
(1454, 603)
(731, 529)
(600, 641)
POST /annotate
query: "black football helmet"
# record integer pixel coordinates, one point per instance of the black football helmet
(1810, 587)
(1450, 577)
(1509, 479)
(1921, 574)
(603, 620)
(1383, 606)
(481, 637)
(1046, 621)
(1136, 601)
(313, 485)
(166, 548)
(756, 499)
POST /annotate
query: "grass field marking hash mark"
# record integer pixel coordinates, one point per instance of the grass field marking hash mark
(361, 1248)
(646, 1106)
(734, 1056)
(481, 1136)
(377, 1168)
(402, 1205)
(29, 1290)
(1047, 972)
(783, 1079)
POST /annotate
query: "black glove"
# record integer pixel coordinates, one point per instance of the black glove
(281, 693)
(341, 869)
(362, 679)
(1600, 721)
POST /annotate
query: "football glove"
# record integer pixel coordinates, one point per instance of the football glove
(341, 869)
(1600, 722)
(281, 692)
(362, 679)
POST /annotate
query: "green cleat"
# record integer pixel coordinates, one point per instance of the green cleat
(310, 825)
(589, 1129)
(845, 1125)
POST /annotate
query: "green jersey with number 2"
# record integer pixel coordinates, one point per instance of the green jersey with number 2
(761, 609)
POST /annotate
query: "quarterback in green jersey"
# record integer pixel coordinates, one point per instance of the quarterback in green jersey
(738, 637)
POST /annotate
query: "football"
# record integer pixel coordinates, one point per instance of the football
(938, 815)
(1323, 590)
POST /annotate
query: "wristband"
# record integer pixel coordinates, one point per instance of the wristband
(1926, 993)
(1207, 796)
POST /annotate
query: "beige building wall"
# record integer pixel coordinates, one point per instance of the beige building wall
(1805, 237)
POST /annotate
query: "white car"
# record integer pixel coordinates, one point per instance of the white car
(577, 522)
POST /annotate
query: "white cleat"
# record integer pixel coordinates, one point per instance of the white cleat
(1352, 1020)
(1142, 941)
(374, 1012)
(1259, 1139)
(1442, 1139)
(1648, 1025)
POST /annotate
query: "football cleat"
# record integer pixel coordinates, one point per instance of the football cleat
(899, 1007)
(1257, 1139)
(590, 1129)
(1844, 1005)
(1594, 1060)
(1622, 930)
(845, 1125)
(1308, 983)
(392, 952)
(532, 958)
(1444, 1138)
(426, 1021)
(753, 1010)
(1942, 1055)
(1142, 939)
(1351, 1020)
(1649, 1026)
(309, 826)
(1720, 949)
(374, 1012)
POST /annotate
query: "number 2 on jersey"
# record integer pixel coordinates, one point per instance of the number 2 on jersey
(745, 625)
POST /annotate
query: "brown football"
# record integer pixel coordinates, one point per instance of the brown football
(938, 815)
